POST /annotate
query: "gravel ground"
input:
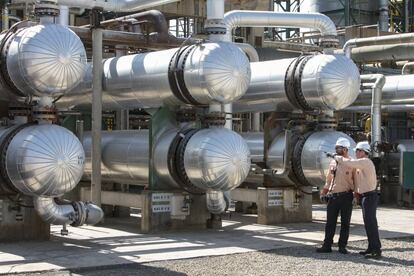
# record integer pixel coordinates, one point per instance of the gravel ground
(398, 259)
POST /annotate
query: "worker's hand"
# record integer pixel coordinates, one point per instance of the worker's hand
(324, 198)
(330, 155)
(324, 191)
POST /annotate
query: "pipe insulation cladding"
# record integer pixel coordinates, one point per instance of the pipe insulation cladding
(42, 60)
(315, 82)
(194, 75)
(196, 160)
(45, 162)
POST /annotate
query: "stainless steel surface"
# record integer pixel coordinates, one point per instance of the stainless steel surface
(249, 50)
(63, 15)
(96, 132)
(313, 160)
(398, 90)
(44, 160)
(255, 142)
(50, 212)
(64, 213)
(329, 82)
(314, 163)
(380, 48)
(111, 5)
(377, 82)
(125, 157)
(384, 108)
(214, 72)
(317, 21)
(216, 202)
(217, 159)
(408, 68)
(46, 60)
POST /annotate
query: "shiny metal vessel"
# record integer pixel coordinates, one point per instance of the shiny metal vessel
(44, 60)
(308, 156)
(211, 72)
(325, 82)
(210, 159)
(44, 160)
(255, 142)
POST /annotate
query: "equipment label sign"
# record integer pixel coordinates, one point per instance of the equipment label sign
(275, 198)
(161, 202)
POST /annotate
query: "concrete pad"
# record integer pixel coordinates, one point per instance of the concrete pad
(118, 241)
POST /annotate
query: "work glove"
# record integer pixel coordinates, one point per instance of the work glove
(330, 155)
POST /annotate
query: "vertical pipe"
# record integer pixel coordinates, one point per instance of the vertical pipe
(256, 122)
(5, 18)
(63, 15)
(96, 115)
(406, 16)
(383, 15)
(79, 130)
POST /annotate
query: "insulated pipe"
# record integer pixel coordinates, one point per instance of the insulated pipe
(217, 202)
(377, 53)
(249, 50)
(111, 5)
(63, 15)
(191, 159)
(319, 82)
(408, 68)
(45, 162)
(378, 82)
(52, 68)
(202, 74)
(384, 108)
(317, 21)
(75, 213)
(397, 90)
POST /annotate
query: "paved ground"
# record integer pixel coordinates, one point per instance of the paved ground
(103, 246)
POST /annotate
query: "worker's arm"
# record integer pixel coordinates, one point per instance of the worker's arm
(352, 163)
(329, 177)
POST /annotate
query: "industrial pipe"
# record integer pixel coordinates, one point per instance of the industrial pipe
(309, 83)
(408, 68)
(397, 90)
(377, 82)
(110, 5)
(383, 15)
(317, 21)
(202, 74)
(196, 160)
(45, 162)
(41, 69)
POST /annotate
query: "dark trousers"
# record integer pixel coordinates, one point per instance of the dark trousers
(369, 211)
(338, 205)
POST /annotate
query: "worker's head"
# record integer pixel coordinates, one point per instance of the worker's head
(362, 149)
(342, 146)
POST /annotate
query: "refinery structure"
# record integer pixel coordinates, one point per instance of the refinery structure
(174, 111)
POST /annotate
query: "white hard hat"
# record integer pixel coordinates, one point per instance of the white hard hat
(363, 146)
(343, 142)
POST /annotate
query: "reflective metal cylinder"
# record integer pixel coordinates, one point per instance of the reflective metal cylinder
(43, 60)
(308, 156)
(41, 160)
(255, 142)
(323, 82)
(200, 75)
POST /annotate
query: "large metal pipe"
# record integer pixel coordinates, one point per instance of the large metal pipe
(379, 48)
(319, 82)
(397, 90)
(194, 160)
(45, 162)
(203, 74)
(309, 164)
(316, 21)
(377, 82)
(49, 69)
(110, 5)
